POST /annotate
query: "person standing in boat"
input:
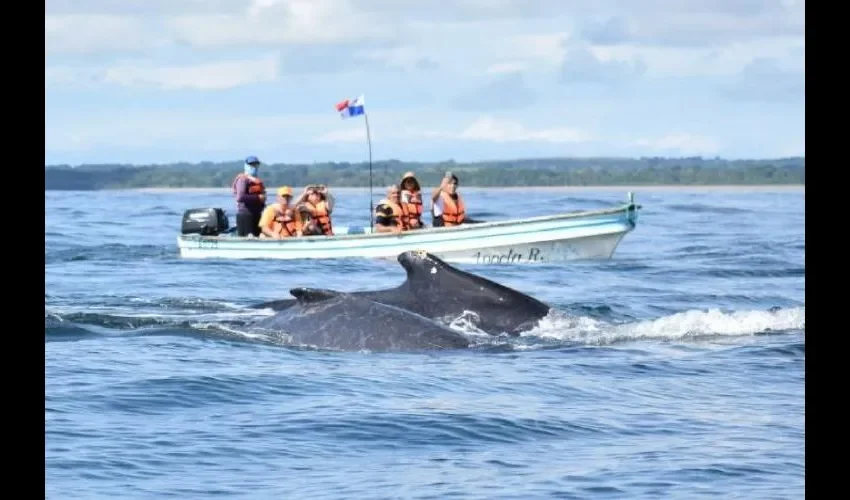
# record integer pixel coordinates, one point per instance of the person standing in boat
(279, 219)
(317, 203)
(411, 201)
(447, 207)
(389, 216)
(250, 195)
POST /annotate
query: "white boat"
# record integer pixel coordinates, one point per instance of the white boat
(591, 234)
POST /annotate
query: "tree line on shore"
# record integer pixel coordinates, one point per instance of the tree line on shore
(521, 172)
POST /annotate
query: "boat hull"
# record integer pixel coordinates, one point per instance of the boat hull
(600, 246)
(558, 238)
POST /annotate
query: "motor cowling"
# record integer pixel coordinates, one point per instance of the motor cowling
(204, 221)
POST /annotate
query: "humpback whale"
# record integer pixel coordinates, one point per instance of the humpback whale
(441, 292)
(343, 321)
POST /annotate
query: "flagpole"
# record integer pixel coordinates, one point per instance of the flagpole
(369, 142)
(347, 110)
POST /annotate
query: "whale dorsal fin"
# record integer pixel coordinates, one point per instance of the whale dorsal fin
(313, 294)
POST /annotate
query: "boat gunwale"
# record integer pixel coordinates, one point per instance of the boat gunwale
(576, 214)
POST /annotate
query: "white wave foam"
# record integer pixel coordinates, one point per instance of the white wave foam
(173, 302)
(680, 325)
(466, 323)
(557, 326)
(237, 332)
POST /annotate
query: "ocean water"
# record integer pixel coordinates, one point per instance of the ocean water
(674, 370)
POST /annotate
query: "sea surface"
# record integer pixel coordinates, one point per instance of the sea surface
(674, 370)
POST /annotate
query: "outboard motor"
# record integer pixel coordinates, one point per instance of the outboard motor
(205, 221)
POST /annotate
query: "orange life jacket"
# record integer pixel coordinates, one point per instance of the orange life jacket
(319, 213)
(453, 212)
(255, 185)
(284, 222)
(398, 216)
(412, 210)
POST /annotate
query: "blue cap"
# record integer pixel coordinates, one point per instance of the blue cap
(252, 159)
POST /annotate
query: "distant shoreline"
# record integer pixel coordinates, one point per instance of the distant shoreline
(558, 174)
(623, 188)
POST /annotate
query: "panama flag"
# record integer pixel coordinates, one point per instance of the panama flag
(351, 107)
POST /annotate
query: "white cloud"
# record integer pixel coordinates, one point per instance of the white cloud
(429, 66)
(141, 8)
(69, 76)
(209, 76)
(581, 65)
(280, 23)
(188, 128)
(486, 128)
(768, 79)
(706, 61)
(113, 27)
(89, 25)
(357, 134)
(505, 91)
(470, 36)
(690, 23)
(682, 143)
(491, 129)
(90, 33)
(507, 67)
(259, 6)
(544, 48)
(404, 57)
(215, 75)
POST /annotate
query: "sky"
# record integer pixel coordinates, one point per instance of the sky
(162, 81)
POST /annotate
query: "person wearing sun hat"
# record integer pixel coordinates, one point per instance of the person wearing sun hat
(279, 219)
(411, 201)
(315, 206)
(250, 193)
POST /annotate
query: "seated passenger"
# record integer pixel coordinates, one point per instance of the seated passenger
(317, 203)
(389, 217)
(447, 207)
(411, 201)
(279, 219)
